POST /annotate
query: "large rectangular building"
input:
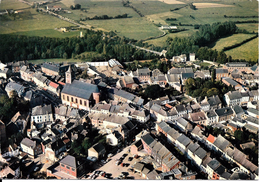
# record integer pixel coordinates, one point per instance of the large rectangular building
(80, 95)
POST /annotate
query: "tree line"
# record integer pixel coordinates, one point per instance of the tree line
(108, 45)
(105, 17)
(225, 16)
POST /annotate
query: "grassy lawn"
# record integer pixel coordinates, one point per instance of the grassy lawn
(247, 51)
(31, 21)
(228, 41)
(12, 4)
(58, 60)
(49, 33)
(205, 64)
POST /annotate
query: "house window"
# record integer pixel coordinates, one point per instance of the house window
(62, 165)
(85, 103)
(67, 167)
(72, 169)
(76, 100)
(71, 99)
(68, 98)
(63, 97)
(80, 101)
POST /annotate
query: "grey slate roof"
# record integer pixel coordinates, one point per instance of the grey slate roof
(187, 75)
(237, 64)
(193, 147)
(214, 164)
(69, 160)
(80, 89)
(41, 110)
(201, 153)
(14, 86)
(221, 143)
(184, 140)
(50, 67)
(173, 133)
(148, 139)
(211, 113)
(182, 122)
(252, 110)
(143, 72)
(180, 70)
(224, 111)
(29, 143)
(221, 71)
(180, 108)
(232, 82)
(128, 79)
(238, 109)
(172, 78)
(214, 100)
(234, 95)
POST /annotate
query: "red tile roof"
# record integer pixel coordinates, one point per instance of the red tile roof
(169, 106)
(61, 83)
(55, 85)
(211, 138)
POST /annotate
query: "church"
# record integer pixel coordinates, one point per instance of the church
(79, 94)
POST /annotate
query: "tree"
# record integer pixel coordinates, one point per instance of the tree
(213, 75)
(212, 91)
(65, 55)
(239, 135)
(154, 91)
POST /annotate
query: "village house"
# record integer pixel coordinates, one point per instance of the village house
(160, 80)
(26, 74)
(69, 167)
(221, 73)
(123, 96)
(204, 104)
(172, 79)
(238, 111)
(114, 139)
(128, 81)
(12, 86)
(41, 114)
(143, 74)
(245, 98)
(253, 95)
(30, 147)
(54, 88)
(179, 59)
(97, 150)
(233, 98)
(199, 118)
(40, 80)
(224, 114)
(230, 82)
(182, 143)
(253, 112)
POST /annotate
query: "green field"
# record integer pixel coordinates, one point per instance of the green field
(12, 4)
(229, 41)
(162, 41)
(136, 28)
(248, 26)
(31, 21)
(247, 51)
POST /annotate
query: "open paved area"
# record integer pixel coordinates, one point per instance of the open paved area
(115, 170)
